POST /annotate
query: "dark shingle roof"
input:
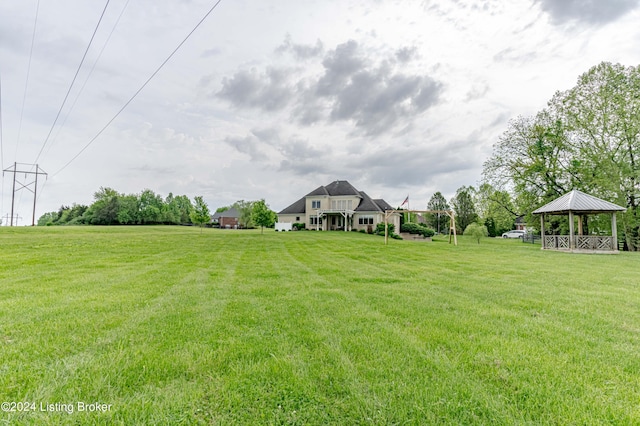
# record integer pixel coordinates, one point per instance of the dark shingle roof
(370, 205)
(227, 213)
(383, 204)
(297, 207)
(340, 187)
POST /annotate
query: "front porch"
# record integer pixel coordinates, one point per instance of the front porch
(333, 220)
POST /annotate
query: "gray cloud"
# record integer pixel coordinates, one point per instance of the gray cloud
(300, 51)
(248, 145)
(373, 97)
(269, 91)
(353, 87)
(406, 54)
(589, 11)
(418, 165)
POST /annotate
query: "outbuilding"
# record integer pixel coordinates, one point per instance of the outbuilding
(578, 204)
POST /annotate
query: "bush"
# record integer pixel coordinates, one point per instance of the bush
(417, 228)
(476, 231)
(380, 229)
(363, 231)
(298, 226)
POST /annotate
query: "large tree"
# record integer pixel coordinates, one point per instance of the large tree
(200, 214)
(244, 208)
(262, 215)
(438, 221)
(495, 209)
(464, 207)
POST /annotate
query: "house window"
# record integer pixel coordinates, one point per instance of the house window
(315, 204)
(365, 220)
(314, 220)
(297, 218)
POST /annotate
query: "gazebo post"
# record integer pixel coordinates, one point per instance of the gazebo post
(614, 231)
(571, 226)
(542, 229)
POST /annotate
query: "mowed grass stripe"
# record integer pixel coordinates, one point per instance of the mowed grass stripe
(174, 326)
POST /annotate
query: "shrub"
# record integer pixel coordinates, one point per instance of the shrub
(417, 228)
(298, 226)
(380, 228)
(363, 231)
(476, 231)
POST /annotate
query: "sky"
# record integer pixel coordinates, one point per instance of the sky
(270, 100)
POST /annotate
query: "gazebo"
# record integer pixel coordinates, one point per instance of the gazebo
(577, 203)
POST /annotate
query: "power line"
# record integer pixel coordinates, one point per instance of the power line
(140, 89)
(26, 83)
(88, 76)
(73, 81)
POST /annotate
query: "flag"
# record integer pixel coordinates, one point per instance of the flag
(406, 201)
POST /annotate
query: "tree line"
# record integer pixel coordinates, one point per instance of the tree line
(113, 208)
(484, 206)
(148, 208)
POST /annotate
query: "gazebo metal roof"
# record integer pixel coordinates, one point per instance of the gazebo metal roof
(578, 202)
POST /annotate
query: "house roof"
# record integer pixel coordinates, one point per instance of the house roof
(232, 212)
(297, 207)
(335, 189)
(579, 202)
(368, 204)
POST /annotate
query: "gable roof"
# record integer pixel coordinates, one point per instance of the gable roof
(383, 204)
(299, 206)
(227, 213)
(335, 189)
(578, 201)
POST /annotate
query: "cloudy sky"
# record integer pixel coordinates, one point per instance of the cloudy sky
(272, 99)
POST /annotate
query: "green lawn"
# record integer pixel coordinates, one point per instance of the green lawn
(169, 325)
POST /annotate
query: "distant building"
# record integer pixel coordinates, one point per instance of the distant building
(338, 206)
(228, 219)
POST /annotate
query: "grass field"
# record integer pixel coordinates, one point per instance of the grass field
(167, 325)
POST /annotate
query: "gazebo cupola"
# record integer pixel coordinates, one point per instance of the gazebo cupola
(577, 203)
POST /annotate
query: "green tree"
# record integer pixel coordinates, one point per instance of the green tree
(245, 208)
(495, 209)
(151, 207)
(476, 231)
(200, 214)
(129, 210)
(464, 207)
(104, 210)
(262, 215)
(438, 221)
(184, 206)
(47, 219)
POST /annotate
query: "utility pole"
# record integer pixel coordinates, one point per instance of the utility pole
(26, 185)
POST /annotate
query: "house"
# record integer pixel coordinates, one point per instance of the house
(229, 219)
(338, 206)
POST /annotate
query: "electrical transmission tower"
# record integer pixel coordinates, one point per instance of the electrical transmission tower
(26, 185)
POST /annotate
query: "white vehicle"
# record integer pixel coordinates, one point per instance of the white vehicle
(513, 234)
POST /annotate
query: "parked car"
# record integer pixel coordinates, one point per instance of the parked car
(513, 234)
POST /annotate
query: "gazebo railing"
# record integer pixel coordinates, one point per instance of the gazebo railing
(582, 242)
